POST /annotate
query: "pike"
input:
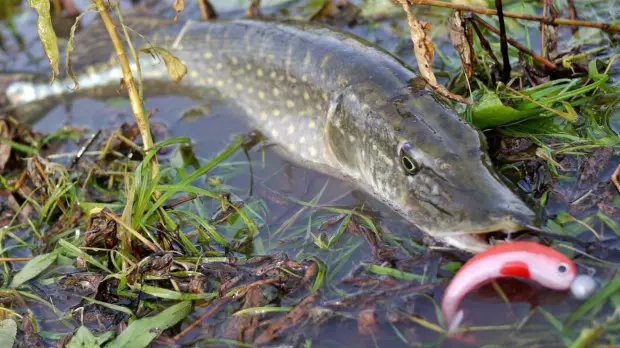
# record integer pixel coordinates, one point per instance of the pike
(333, 102)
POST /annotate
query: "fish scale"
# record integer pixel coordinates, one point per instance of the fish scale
(335, 103)
(285, 96)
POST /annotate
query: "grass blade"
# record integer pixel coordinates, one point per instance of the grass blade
(8, 331)
(33, 268)
(141, 332)
(611, 288)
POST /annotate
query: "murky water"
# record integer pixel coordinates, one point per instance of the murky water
(274, 180)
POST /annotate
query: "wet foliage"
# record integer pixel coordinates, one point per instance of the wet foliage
(98, 251)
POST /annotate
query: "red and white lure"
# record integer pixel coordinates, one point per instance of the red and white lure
(525, 260)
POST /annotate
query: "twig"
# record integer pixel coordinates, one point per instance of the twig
(179, 202)
(572, 14)
(57, 7)
(491, 12)
(133, 52)
(485, 44)
(503, 43)
(548, 43)
(216, 307)
(128, 142)
(543, 32)
(14, 259)
(80, 153)
(546, 62)
(130, 85)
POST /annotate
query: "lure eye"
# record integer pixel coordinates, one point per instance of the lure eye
(408, 163)
(562, 268)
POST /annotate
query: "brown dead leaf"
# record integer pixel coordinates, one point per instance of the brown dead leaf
(242, 328)
(176, 68)
(85, 284)
(424, 51)
(289, 320)
(422, 44)
(31, 336)
(5, 148)
(101, 231)
(593, 166)
(24, 211)
(254, 9)
(196, 285)
(35, 167)
(367, 322)
(328, 10)
(179, 6)
(160, 265)
(460, 42)
(62, 224)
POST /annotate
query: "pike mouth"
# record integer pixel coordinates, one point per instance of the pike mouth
(481, 240)
(478, 242)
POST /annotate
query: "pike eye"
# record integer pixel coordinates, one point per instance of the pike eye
(562, 268)
(408, 163)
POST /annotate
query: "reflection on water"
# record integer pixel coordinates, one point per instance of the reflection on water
(284, 224)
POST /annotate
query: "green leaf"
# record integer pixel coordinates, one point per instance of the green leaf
(489, 112)
(395, 273)
(83, 338)
(46, 33)
(232, 148)
(8, 331)
(320, 275)
(141, 332)
(75, 251)
(588, 337)
(176, 68)
(174, 295)
(33, 268)
(109, 305)
(19, 147)
(261, 310)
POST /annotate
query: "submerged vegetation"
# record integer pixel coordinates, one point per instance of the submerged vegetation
(109, 238)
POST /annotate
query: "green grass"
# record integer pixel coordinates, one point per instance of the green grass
(327, 248)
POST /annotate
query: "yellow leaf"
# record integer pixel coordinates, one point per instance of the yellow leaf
(540, 152)
(179, 6)
(572, 114)
(176, 68)
(46, 33)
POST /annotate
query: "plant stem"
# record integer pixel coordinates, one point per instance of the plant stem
(503, 43)
(542, 19)
(546, 62)
(134, 97)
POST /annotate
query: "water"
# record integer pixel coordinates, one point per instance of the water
(274, 180)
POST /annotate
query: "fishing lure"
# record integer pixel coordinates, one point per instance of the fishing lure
(524, 260)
